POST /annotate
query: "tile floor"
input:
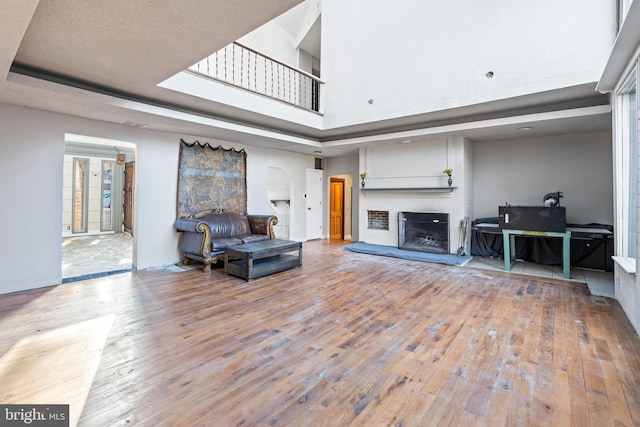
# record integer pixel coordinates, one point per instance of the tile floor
(600, 283)
(90, 256)
(84, 257)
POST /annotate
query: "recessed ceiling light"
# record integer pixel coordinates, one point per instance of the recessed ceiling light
(525, 128)
(405, 141)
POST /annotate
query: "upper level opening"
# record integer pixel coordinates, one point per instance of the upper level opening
(280, 59)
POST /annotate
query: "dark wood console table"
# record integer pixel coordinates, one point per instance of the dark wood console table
(252, 260)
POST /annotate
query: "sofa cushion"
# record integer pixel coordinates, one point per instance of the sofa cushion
(248, 238)
(224, 242)
(227, 225)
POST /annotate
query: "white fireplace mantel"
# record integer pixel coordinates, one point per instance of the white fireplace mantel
(412, 190)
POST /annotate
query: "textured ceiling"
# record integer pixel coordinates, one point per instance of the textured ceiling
(104, 59)
(131, 45)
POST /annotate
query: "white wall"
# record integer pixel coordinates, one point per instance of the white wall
(521, 172)
(156, 182)
(258, 163)
(279, 38)
(421, 56)
(274, 41)
(31, 193)
(627, 293)
(31, 177)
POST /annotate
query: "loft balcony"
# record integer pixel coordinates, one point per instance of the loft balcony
(245, 68)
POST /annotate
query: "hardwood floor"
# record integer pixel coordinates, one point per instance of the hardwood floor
(347, 340)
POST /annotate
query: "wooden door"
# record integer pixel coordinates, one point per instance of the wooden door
(336, 209)
(129, 182)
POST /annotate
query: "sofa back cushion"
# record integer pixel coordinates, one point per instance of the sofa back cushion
(227, 225)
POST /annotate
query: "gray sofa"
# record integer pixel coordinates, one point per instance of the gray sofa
(206, 235)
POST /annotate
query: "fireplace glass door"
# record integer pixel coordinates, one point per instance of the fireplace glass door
(423, 232)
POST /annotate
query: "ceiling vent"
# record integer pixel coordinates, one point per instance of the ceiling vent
(134, 124)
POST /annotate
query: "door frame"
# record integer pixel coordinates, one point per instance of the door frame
(347, 205)
(97, 150)
(313, 196)
(343, 182)
(128, 197)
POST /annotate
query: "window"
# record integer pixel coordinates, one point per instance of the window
(105, 212)
(626, 168)
(80, 191)
(623, 8)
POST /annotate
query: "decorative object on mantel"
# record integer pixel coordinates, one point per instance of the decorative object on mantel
(363, 175)
(449, 172)
(211, 178)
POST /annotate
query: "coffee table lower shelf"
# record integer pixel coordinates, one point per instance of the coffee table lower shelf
(252, 260)
(262, 267)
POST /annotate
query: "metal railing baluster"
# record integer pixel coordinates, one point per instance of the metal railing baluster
(281, 81)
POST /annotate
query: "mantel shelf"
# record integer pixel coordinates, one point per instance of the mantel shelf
(412, 189)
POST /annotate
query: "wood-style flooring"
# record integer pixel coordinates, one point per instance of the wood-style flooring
(348, 339)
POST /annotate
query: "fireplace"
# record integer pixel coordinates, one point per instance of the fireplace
(423, 232)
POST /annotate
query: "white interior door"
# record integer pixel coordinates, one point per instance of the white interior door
(314, 204)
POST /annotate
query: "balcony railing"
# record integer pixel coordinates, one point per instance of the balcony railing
(243, 67)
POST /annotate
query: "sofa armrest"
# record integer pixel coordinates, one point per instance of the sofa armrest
(200, 247)
(263, 224)
(192, 225)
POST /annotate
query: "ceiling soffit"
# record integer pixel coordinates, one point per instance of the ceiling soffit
(124, 49)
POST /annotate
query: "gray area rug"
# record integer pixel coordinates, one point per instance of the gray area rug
(390, 251)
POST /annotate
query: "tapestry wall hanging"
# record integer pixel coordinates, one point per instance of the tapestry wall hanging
(211, 178)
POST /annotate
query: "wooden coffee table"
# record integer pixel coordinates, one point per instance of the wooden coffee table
(252, 260)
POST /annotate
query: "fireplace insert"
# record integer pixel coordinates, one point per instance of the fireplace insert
(423, 232)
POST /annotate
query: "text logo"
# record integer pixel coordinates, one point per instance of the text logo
(34, 415)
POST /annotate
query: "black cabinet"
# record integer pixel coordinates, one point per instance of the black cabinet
(533, 218)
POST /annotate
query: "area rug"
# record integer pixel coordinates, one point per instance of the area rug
(390, 251)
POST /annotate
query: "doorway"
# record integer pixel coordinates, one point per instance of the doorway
(94, 238)
(340, 209)
(336, 209)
